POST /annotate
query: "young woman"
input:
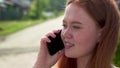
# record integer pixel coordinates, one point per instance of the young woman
(90, 35)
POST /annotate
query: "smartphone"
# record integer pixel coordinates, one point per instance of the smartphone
(56, 44)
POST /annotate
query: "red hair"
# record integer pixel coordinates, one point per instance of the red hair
(106, 13)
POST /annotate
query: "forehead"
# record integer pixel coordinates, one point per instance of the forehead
(75, 12)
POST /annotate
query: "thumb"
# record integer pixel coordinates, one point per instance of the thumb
(58, 55)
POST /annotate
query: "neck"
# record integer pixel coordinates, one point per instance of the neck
(83, 61)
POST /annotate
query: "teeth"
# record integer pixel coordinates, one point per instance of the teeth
(68, 44)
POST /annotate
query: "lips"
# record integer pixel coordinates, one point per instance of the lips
(68, 45)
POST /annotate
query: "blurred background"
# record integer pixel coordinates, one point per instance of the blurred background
(23, 23)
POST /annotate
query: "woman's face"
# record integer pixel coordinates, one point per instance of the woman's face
(80, 32)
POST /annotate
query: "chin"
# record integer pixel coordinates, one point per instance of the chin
(70, 55)
(73, 55)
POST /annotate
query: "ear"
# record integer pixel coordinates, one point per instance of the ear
(99, 34)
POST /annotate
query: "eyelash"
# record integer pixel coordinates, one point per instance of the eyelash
(64, 26)
(75, 27)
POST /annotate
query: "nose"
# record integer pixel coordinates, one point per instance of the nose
(66, 33)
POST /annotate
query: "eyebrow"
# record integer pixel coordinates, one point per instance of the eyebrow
(73, 22)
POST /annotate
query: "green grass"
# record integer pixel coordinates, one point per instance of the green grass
(8, 27)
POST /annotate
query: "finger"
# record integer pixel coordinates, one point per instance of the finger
(56, 31)
(43, 47)
(58, 55)
(55, 58)
(51, 34)
(44, 40)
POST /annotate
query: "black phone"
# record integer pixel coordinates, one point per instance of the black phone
(56, 44)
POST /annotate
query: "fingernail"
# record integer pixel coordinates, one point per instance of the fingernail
(49, 41)
(59, 52)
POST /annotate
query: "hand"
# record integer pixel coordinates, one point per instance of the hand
(44, 60)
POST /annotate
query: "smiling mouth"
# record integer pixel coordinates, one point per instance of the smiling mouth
(68, 45)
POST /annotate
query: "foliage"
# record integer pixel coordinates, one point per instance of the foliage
(40, 6)
(116, 59)
(35, 11)
(56, 5)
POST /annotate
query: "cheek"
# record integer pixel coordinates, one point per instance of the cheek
(85, 43)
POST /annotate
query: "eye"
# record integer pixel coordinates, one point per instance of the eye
(64, 26)
(76, 27)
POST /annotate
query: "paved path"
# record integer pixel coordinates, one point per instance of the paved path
(19, 50)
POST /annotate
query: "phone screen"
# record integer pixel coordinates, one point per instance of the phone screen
(55, 45)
